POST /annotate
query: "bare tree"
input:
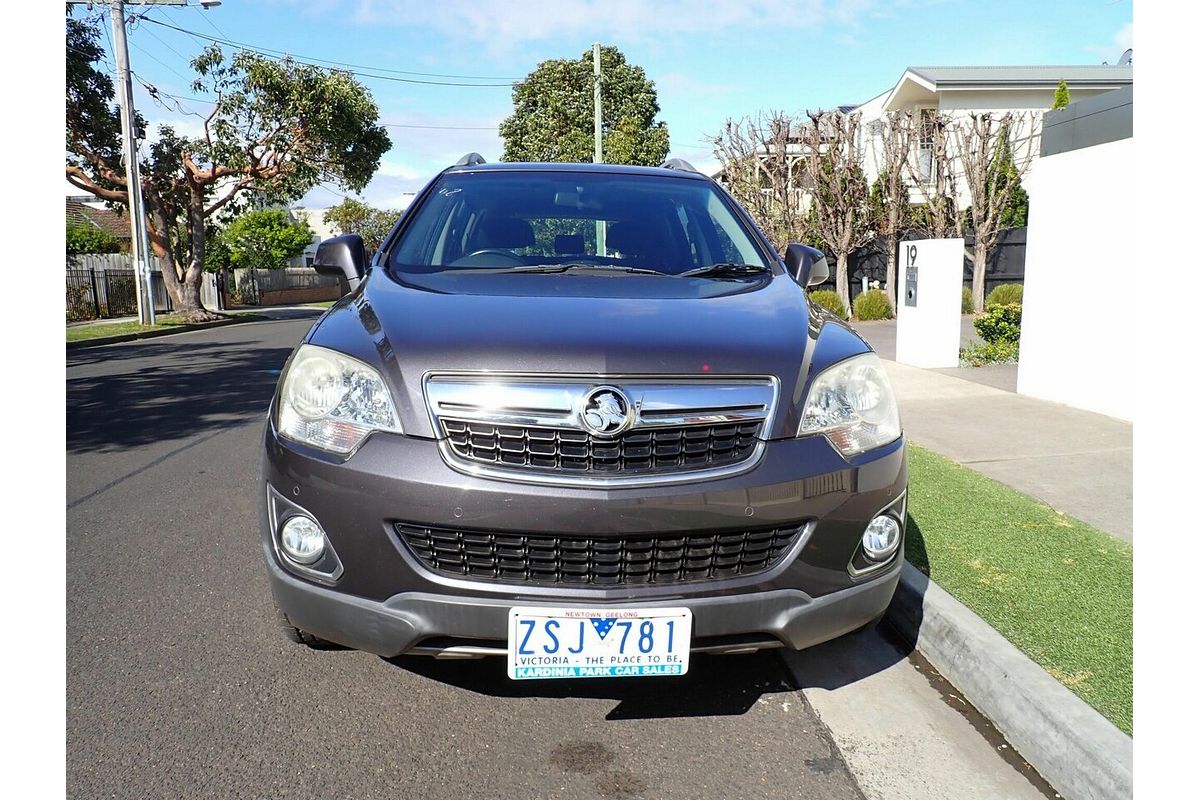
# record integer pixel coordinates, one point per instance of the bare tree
(895, 139)
(760, 165)
(840, 209)
(993, 153)
(929, 169)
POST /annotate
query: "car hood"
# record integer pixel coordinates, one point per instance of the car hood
(574, 324)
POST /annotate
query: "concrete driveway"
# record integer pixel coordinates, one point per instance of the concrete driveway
(1075, 461)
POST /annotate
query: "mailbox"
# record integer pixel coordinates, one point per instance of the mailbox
(910, 286)
(929, 322)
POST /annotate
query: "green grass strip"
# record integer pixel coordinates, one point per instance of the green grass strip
(98, 330)
(1058, 589)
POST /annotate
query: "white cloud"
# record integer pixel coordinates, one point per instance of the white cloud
(1122, 40)
(683, 85)
(503, 23)
(394, 169)
(1124, 37)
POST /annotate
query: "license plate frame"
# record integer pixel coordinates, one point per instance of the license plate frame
(597, 642)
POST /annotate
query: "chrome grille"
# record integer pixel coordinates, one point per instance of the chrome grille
(533, 428)
(595, 561)
(650, 450)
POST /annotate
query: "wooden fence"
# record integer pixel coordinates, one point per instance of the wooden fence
(103, 285)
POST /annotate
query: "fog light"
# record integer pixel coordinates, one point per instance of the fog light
(881, 538)
(302, 539)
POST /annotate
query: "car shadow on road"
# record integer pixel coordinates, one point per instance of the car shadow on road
(849, 659)
(164, 392)
(713, 686)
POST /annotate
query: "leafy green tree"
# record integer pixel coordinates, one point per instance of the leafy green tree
(1062, 96)
(265, 239)
(348, 216)
(217, 257)
(90, 239)
(355, 216)
(277, 128)
(552, 117)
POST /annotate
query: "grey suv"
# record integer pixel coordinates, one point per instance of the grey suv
(584, 418)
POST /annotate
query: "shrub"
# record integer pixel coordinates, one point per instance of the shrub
(830, 301)
(1006, 294)
(980, 353)
(1000, 324)
(968, 301)
(90, 239)
(872, 304)
(1000, 328)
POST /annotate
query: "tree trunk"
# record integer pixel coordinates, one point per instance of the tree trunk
(979, 272)
(159, 234)
(843, 279)
(189, 304)
(889, 276)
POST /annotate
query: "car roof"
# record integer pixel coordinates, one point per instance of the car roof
(611, 169)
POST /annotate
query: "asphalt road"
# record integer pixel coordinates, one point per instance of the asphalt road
(180, 685)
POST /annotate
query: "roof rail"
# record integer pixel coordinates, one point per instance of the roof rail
(679, 164)
(470, 160)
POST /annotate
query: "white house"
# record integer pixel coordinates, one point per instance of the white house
(321, 231)
(960, 91)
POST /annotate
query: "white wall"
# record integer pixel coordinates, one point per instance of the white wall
(1077, 337)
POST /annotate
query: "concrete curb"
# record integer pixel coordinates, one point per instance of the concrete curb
(1081, 754)
(129, 337)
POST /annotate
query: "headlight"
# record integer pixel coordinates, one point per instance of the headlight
(332, 401)
(853, 405)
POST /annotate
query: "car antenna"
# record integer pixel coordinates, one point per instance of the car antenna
(679, 164)
(470, 160)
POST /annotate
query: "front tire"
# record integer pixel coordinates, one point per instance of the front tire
(298, 636)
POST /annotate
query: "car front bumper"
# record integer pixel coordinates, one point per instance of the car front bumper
(385, 601)
(446, 625)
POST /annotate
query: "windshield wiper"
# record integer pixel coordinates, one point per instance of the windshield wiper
(725, 271)
(569, 267)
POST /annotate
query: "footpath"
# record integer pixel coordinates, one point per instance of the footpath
(1078, 463)
(1075, 461)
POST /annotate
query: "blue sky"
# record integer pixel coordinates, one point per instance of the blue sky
(709, 60)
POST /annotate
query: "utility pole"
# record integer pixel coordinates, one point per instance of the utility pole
(139, 240)
(598, 158)
(137, 214)
(598, 130)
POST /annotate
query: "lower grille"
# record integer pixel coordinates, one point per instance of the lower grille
(587, 561)
(644, 451)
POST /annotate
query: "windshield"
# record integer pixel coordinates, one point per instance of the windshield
(593, 221)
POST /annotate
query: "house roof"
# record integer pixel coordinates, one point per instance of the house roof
(1023, 75)
(924, 83)
(103, 218)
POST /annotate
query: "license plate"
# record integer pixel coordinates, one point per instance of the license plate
(598, 643)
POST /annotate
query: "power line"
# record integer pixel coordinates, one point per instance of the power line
(351, 68)
(440, 127)
(204, 16)
(339, 194)
(146, 52)
(163, 10)
(156, 92)
(157, 95)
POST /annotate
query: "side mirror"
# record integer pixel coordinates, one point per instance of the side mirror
(806, 264)
(343, 256)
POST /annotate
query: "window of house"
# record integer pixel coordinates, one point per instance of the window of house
(928, 121)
